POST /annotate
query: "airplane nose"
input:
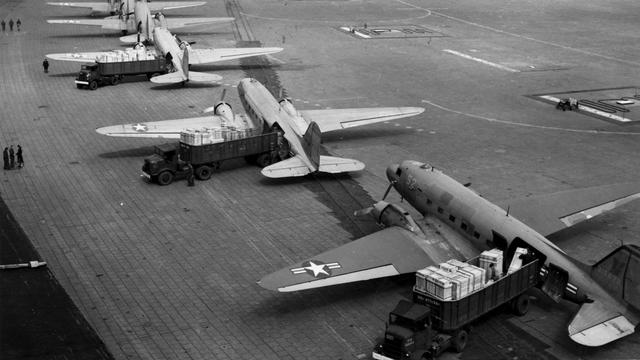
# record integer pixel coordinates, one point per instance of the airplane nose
(392, 172)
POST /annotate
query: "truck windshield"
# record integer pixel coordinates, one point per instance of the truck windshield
(395, 319)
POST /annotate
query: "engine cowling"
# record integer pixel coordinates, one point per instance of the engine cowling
(287, 106)
(224, 110)
(393, 215)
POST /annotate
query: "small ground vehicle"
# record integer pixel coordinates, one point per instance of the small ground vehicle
(170, 161)
(110, 73)
(428, 326)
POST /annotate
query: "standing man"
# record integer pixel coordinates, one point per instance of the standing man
(190, 176)
(45, 65)
(4, 24)
(5, 157)
(11, 24)
(20, 158)
(18, 23)
(12, 157)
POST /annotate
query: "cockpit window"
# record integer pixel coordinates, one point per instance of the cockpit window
(399, 171)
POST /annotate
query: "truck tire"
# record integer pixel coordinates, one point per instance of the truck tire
(93, 85)
(460, 338)
(263, 160)
(204, 172)
(250, 159)
(115, 80)
(165, 178)
(520, 305)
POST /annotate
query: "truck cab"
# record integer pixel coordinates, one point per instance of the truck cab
(408, 334)
(164, 165)
(88, 72)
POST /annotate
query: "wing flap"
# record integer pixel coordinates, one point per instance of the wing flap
(391, 251)
(551, 213)
(176, 23)
(596, 325)
(207, 56)
(336, 119)
(166, 129)
(335, 165)
(290, 167)
(107, 23)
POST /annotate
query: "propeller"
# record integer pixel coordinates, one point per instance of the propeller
(211, 108)
(378, 207)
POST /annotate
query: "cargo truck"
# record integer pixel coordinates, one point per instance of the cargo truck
(169, 162)
(428, 325)
(110, 73)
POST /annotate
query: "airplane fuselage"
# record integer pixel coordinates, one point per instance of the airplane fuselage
(166, 43)
(485, 224)
(261, 106)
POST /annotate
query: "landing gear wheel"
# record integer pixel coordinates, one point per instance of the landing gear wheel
(204, 172)
(460, 340)
(263, 160)
(93, 85)
(520, 305)
(165, 178)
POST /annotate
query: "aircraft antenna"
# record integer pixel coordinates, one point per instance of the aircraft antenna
(508, 208)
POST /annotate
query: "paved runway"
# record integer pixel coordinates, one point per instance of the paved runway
(169, 272)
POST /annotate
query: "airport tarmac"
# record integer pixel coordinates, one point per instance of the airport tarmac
(170, 272)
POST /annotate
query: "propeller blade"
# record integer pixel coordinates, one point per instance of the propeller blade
(207, 110)
(388, 189)
(363, 212)
(224, 93)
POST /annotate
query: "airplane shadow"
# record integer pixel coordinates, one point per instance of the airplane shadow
(180, 86)
(135, 152)
(346, 135)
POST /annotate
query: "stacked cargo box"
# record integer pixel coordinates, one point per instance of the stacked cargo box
(205, 136)
(452, 280)
(493, 256)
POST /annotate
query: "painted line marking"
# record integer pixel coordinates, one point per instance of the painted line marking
(494, 120)
(498, 66)
(590, 109)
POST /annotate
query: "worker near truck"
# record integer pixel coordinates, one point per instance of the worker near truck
(45, 65)
(190, 177)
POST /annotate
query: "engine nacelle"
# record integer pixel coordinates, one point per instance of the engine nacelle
(224, 110)
(393, 215)
(288, 107)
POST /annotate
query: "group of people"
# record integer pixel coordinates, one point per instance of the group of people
(4, 24)
(12, 159)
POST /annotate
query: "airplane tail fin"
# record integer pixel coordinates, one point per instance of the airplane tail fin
(311, 144)
(619, 273)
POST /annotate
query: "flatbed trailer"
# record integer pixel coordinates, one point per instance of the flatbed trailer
(170, 161)
(427, 326)
(101, 73)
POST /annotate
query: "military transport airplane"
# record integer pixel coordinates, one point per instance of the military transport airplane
(301, 128)
(458, 224)
(113, 7)
(178, 52)
(141, 22)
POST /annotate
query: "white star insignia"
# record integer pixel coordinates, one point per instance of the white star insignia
(140, 127)
(316, 268)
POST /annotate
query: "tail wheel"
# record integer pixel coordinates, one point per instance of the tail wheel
(520, 305)
(204, 172)
(263, 160)
(460, 340)
(93, 85)
(165, 178)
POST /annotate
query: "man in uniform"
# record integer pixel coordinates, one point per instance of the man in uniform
(190, 176)
(45, 65)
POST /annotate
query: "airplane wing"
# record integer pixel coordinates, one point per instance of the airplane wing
(391, 251)
(196, 76)
(165, 129)
(78, 57)
(156, 6)
(293, 166)
(102, 7)
(335, 165)
(595, 324)
(176, 23)
(107, 23)
(336, 119)
(206, 56)
(551, 213)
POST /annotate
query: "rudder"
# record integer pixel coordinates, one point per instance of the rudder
(311, 144)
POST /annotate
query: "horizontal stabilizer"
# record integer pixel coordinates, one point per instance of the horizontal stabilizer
(203, 77)
(176, 23)
(291, 167)
(133, 38)
(106, 23)
(102, 7)
(336, 119)
(336, 165)
(207, 56)
(598, 323)
(170, 78)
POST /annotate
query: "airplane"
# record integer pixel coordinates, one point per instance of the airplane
(114, 7)
(178, 52)
(458, 224)
(301, 128)
(141, 22)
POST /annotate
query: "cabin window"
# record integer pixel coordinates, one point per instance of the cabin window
(463, 226)
(476, 235)
(440, 210)
(452, 218)
(399, 171)
(499, 241)
(429, 202)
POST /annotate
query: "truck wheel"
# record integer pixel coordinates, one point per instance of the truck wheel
(460, 340)
(250, 159)
(165, 178)
(204, 172)
(93, 85)
(115, 80)
(520, 305)
(263, 160)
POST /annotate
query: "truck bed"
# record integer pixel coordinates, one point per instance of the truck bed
(132, 67)
(450, 315)
(202, 154)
